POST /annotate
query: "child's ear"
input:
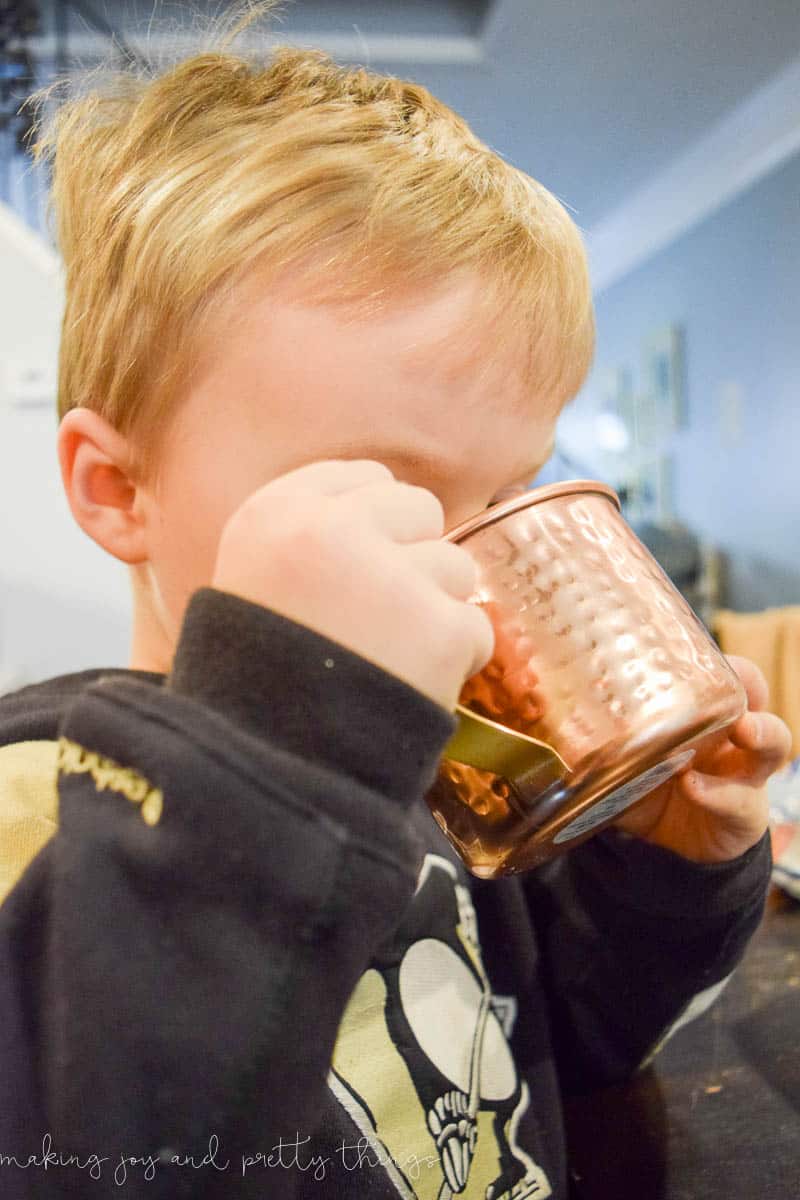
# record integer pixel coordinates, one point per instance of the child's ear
(96, 470)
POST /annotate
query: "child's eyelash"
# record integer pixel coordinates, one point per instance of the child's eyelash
(508, 493)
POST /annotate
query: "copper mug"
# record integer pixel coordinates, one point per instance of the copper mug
(602, 682)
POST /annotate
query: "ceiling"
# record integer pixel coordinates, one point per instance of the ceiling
(592, 97)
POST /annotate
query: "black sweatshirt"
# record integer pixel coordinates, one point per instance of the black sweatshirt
(239, 959)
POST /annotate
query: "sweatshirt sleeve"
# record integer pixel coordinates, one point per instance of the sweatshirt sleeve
(636, 941)
(232, 848)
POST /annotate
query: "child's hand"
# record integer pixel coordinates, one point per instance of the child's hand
(345, 549)
(717, 809)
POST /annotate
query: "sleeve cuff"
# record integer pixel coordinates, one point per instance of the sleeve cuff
(308, 695)
(663, 884)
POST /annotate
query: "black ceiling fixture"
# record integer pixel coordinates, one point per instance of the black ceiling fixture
(19, 21)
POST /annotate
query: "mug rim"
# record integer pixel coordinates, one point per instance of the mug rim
(538, 495)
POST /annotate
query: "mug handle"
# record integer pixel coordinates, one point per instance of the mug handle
(481, 743)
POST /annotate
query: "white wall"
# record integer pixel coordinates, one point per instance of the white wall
(64, 603)
(733, 283)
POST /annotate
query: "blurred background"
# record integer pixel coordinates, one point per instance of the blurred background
(670, 129)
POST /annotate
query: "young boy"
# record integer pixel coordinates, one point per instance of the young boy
(311, 324)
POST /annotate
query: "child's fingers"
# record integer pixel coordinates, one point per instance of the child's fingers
(767, 741)
(398, 511)
(449, 565)
(730, 799)
(753, 681)
(758, 745)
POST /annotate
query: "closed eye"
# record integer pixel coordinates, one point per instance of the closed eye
(508, 493)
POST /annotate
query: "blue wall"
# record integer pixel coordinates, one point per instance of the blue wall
(734, 284)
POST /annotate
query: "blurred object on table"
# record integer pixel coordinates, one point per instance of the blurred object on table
(784, 814)
(772, 640)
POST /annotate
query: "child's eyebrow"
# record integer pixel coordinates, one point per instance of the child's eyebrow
(431, 463)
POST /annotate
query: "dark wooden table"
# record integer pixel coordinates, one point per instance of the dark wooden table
(717, 1116)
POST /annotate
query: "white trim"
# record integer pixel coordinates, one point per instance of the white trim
(533, 1172)
(430, 861)
(358, 1115)
(355, 46)
(14, 230)
(756, 137)
(695, 1008)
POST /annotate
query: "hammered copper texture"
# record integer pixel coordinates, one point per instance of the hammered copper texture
(596, 653)
(575, 599)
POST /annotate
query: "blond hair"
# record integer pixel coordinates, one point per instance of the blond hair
(171, 187)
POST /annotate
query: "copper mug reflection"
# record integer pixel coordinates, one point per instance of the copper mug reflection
(601, 685)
